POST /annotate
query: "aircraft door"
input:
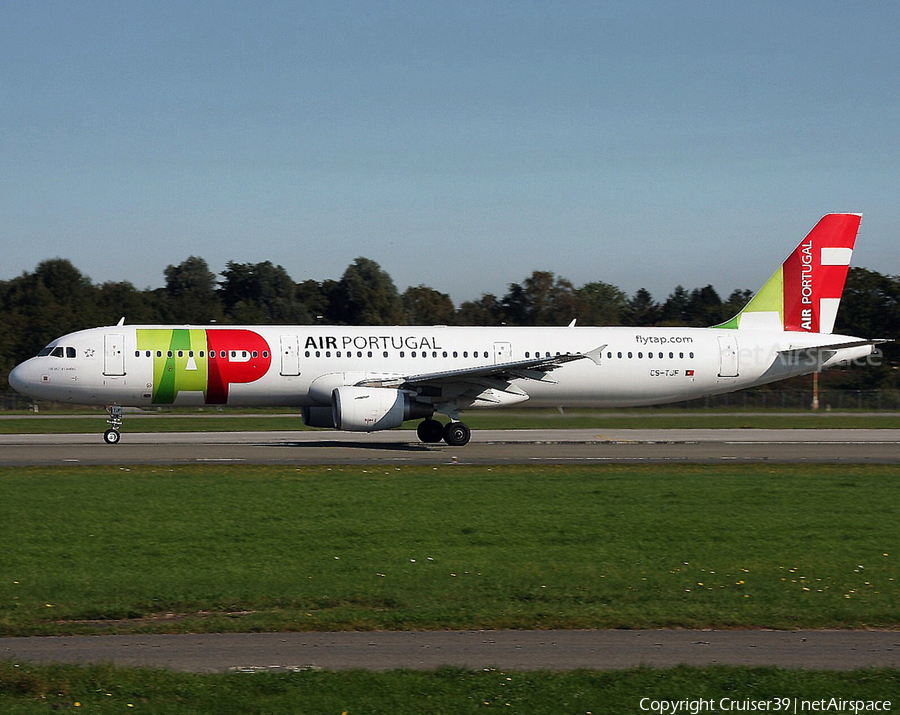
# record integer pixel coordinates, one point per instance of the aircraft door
(290, 355)
(113, 354)
(502, 353)
(728, 357)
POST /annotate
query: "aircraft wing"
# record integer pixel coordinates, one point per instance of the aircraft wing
(532, 369)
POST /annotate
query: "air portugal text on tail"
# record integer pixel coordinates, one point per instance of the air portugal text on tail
(375, 378)
(805, 292)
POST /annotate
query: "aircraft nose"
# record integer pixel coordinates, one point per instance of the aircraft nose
(19, 378)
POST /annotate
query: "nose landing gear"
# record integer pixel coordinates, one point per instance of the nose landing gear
(112, 436)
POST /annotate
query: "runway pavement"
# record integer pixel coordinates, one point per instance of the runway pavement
(584, 446)
(508, 650)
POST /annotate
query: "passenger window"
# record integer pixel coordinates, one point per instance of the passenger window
(640, 355)
(169, 353)
(306, 354)
(527, 354)
(445, 354)
(692, 355)
(369, 353)
(629, 356)
(266, 354)
(181, 353)
(255, 354)
(619, 355)
(402, 354)
(465, 353)
(681, 355)
(317, 353)
(148, 353)
(609, 355)
(671, 355)
(137, 353)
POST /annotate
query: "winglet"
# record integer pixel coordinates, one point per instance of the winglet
(595, 354)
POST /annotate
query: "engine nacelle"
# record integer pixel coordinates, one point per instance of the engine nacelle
(318, 417)
(367, 409)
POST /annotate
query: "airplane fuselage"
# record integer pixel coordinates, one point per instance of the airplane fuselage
(300, 366)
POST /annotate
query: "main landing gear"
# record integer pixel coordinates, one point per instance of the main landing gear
(456, 434)
(112, 436)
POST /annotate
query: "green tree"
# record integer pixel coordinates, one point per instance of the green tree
(704, 307)
(543, 299)
(426, 306)
(365, 295)
(642, 310)
(674, 310)
(123, 300)
(260, 293)
(190, 294)
(602, 304)
(870, 308)
(487, 310)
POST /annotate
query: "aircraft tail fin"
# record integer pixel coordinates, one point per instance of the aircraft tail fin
(804, 293)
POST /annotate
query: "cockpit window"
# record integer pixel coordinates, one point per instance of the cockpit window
(46, 351)
(70, 352)
(57, 352)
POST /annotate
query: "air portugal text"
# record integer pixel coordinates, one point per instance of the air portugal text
(371, 342)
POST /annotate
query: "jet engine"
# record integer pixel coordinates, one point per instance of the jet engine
(367, 409)
(318, 416)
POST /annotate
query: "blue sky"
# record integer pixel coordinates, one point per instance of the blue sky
(460, 145)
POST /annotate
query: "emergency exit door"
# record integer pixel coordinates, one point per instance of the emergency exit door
(113, 354)
(728, 357)
(290, 355)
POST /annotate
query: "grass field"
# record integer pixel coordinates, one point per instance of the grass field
(103, 689)
(205, 549)
(492, 419)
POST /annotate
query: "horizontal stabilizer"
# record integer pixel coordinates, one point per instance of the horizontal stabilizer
(831, 348)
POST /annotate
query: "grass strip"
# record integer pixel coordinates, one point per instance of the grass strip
(26, 689)
(237, 548)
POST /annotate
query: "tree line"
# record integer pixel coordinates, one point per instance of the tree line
(56, 298)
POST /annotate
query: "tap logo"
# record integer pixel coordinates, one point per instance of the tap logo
(206, 361)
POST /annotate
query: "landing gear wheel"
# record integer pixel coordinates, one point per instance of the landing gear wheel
(111, 436)
(456, 434)
(430, 431)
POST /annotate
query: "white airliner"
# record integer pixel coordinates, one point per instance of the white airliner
(365, 379)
